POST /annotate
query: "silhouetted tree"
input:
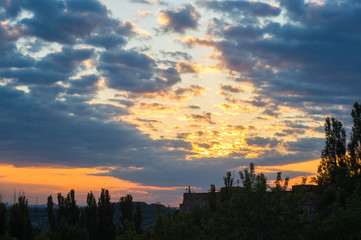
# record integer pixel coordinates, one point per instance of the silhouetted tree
(212, 201)
(228, 184)
(126, 208)
(280, 185)
(332, 169)
(354, 146)
(106, 215)
(50, 212)
(138, 218)
(3, 219)
(20, 225)
(68, 210)
(91, 216)
(228, 180)
(251, 181)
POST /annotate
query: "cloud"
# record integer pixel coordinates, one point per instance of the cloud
(194, 107)
(205, 117)
(54, 67)
(179, 20)
(227, 89)
(84, 85)
(195, 90)
(66, 22)
(258, 9)
(299, 63)
(141, 1)
(262, 142)
(178, 55)
(136, 72)
(44, 133)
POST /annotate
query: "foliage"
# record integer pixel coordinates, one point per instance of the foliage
(138, 218)
(91, 218)
(19, 224)
(106, 215)
(51, 215)
(3, 219)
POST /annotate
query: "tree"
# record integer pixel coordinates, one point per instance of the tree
(50, 212)
(20, 225)
(91, 220)
(3, 217)
(212, 200)
(333, 169)
(68, 210)
(281, 185)
(106, 214)
(126, 208)
(228, 180)
(251, 181)
(138, 218)
(354, 147)
(228, 184)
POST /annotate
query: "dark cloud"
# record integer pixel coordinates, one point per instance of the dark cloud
(66, 22)
(307, 145)
(85, 85)
(180, 20)
(263, 142)
(311, 60)
(141, 1)
(11, 58)
(52, 68)
(192, 89)
(107, 41)
(183, 135)
(10, 9)
(186, 67)
(230, 88)
(45, 133)
(178, 55)
(194, 107)
(205, 117)
(235, 8)
(136, 72)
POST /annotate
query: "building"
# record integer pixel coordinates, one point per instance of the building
(308, 203)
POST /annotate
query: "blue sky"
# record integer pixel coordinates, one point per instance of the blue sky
(166, 94)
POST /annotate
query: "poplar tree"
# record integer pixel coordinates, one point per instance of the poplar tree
(126, 208)
(50, 212)
(333, 166)
(138, 218)
(91, 220)
(20, 225)
(106, 215)
(354, 147)
(3, 218)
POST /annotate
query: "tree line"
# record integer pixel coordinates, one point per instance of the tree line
(68, 222)
(255, 211)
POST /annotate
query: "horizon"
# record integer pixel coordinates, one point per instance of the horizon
(147, 97)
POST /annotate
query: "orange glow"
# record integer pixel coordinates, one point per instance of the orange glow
(37, 180)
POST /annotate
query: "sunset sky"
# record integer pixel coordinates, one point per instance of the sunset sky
(149, 96)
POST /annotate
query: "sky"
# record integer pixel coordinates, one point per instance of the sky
(147, 97)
